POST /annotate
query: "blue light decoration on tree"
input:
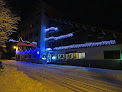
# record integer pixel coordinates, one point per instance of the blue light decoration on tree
(59, 37)
(91, 44)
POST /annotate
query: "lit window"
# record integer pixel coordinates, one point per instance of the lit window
(60, 56)
(70, 55)
(76, 56)
(82, 55)
(67, 56)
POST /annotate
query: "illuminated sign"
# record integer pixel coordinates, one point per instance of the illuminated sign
(24, 43)
(91, 44)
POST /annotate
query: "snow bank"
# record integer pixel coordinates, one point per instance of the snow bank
(15, 81)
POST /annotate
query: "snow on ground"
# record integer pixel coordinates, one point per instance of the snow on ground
(15, 81)
(108, 73)
(12, 80)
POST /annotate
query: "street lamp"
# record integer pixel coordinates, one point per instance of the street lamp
(14, 47)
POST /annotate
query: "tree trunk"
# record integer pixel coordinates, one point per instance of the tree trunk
(0, 56)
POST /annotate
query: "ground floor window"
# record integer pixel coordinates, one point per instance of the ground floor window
(25, 56)
(69, 56)
(60, 56)
(82, 55)
(115, 54)
(18, 56)
(29, 56)
(34, 56)
(75, 55)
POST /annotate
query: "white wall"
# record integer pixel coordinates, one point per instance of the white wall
(94, 53)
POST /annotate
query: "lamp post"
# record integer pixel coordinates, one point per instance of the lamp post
(16, 48)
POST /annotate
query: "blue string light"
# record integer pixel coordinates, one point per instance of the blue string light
(59, 37)
(20, 39)
(26, 51)
(91, 44)
(52, 28)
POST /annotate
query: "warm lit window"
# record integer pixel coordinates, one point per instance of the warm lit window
(79, 55)
(82, 55)
(76, 56)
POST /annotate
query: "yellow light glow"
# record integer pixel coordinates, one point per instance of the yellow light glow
(14, 47)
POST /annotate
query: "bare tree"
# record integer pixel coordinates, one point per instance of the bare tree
(8, 23)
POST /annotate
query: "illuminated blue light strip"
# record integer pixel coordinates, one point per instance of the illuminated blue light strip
(91, 44)
(26, 51)
(52, 28)
(59, 37)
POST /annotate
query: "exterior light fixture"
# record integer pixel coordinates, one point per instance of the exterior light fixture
(48, 49)
(37, 52)
(14, 47)
(54, 57)
(44, 58)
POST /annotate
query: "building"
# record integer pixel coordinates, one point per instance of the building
(45, 37)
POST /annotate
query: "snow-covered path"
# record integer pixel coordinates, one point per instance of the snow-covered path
(63, 78)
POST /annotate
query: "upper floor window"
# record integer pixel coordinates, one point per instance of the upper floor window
(115, 54)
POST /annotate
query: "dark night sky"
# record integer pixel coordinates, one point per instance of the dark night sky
(104, 13)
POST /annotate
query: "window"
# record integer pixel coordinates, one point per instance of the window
(18, 57)
(112, 54)
(69, 56)
(76, 55)
(60, 56)
(82, 55)
(29, 56)
(25, 56)
(79, 55)
(34, 56)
